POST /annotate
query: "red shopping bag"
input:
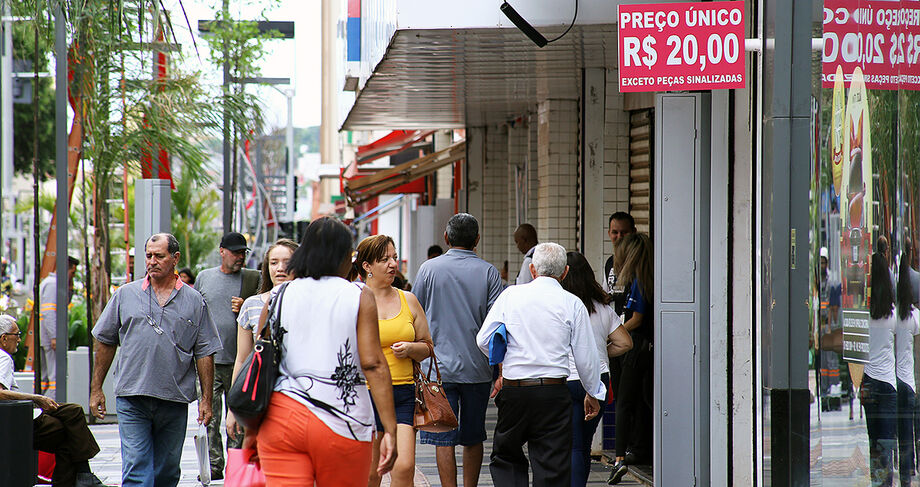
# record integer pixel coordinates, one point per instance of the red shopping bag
(46, 462)
(242, 471)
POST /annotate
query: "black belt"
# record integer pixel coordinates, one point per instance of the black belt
(532, 382)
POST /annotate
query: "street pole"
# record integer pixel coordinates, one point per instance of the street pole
(291, 158)
(6, 113)
(228, 192)
(63, 204)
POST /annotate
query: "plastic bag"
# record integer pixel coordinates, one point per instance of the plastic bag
(242, 471)
(201, 449)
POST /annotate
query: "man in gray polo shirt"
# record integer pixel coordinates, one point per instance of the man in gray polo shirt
(166, 335)
(224, 288)
(457, 289)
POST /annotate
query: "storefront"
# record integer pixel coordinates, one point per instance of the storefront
(746, 192)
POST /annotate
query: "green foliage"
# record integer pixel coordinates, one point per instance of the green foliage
(76, 329)
(308, 136)
(194, 213)
(23, 116)
(19, 358)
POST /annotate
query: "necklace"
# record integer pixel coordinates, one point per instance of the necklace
(154, 323)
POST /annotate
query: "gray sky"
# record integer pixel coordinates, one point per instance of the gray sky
(298, 59)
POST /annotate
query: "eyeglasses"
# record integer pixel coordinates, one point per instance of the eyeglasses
(19, 334)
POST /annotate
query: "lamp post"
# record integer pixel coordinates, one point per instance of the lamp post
(286, 31)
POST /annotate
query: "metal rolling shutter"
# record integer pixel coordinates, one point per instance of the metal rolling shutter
(640, 167)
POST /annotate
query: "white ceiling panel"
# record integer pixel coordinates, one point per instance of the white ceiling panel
(447, 78)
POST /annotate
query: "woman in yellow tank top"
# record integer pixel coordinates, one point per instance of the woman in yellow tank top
(404, 337)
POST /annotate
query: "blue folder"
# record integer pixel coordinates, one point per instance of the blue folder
(498, 344)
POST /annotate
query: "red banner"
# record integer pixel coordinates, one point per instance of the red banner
(881, 37)
(681, 46)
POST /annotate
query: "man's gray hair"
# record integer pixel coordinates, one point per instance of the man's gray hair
(172, 243)
(8, 324)
(549, 259)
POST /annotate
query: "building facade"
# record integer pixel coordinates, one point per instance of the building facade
(760, 350)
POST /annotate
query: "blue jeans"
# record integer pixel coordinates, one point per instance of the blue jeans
(583, 431)
(907, 412)
(880, 400)
(152, 432)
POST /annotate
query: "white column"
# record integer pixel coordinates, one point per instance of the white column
(594, 223)
(475, 159)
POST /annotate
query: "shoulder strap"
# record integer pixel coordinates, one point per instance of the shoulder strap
(274, 312)
(250, 284)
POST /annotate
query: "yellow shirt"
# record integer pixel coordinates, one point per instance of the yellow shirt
(398, 329)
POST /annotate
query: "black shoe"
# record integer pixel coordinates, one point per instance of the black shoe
(630, 458)
(87, 479)
(616, 475)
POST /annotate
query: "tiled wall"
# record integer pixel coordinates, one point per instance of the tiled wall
(494, 228)
(616, 154)
(518, 182)
(547, 145)
(558, 170)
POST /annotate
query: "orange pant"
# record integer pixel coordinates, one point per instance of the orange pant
(297, 449)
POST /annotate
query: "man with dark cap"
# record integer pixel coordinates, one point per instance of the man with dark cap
(224, 288)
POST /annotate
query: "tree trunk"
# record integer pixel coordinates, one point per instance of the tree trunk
(101, 270)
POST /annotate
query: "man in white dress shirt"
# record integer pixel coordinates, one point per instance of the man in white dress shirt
(543, 324)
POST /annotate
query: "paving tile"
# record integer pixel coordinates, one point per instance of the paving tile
(107, 464)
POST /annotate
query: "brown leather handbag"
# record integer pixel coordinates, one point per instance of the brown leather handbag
(432, 411)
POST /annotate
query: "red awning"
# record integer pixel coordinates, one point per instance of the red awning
(392, 143)
(404, 178)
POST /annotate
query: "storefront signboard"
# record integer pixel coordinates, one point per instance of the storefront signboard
(881, 37)
(681, 46)
(856, 336)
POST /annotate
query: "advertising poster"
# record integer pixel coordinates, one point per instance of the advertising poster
(880, 37)
(681, 46)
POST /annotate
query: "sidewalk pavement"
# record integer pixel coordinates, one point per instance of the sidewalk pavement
(107, 464)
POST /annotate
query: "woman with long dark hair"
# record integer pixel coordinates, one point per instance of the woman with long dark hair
(612, 340)
(908, 326)
(319, 424)
(878, 392)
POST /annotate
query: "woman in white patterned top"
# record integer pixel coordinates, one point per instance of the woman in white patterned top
(274, 272)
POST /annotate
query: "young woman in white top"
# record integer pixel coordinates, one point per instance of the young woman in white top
(908, 326)
(878, 392)
(274, 272)
(612, 340)
(319, 425)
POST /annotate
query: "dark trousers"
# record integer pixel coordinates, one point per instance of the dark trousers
(907, 415)
(634, 400)
(583, 431)
(223, 377)
(541, 417)
(64, 433)
(880, 399)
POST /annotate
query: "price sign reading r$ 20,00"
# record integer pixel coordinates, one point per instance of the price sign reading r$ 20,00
(681, 46)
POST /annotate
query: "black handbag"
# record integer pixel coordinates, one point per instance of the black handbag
(253, 386)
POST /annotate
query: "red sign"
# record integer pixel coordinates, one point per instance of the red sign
(882, 37)
(681, 46)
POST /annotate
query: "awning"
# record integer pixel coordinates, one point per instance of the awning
(364, 188)
(392, 143)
